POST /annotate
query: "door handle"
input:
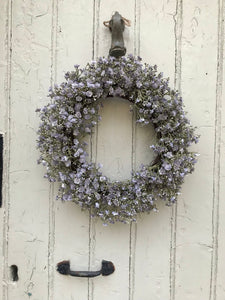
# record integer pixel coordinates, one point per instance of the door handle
(63, 268)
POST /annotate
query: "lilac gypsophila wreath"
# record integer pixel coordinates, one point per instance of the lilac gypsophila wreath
(73, 113)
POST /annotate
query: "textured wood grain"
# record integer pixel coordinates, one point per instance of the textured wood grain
(218, 263)
(106, 239)
(152, 255)
(71, 232)
(5, 66)
(114, 151)
(194, 226)
(175, 254)
(28, 214)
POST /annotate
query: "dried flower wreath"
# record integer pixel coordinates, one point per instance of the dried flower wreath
(73, 113)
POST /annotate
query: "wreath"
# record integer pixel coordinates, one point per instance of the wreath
(73, 112)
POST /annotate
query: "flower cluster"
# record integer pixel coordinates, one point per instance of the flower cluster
(73, 112)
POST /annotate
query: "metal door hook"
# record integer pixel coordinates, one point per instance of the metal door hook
(116, 26)
(63, 268)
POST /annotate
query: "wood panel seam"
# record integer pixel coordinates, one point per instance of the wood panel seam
(217, 152)
(51, 237)
(178, 25)
(133, 227)
(6, 194)
(95, 30)
(132, 246)
(137, 27)
(93, 143)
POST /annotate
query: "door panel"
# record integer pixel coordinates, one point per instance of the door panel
(174, 254)
(70, 228)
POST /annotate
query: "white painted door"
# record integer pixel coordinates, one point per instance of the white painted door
(175, 254)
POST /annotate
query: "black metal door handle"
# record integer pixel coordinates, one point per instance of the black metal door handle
(63, 268)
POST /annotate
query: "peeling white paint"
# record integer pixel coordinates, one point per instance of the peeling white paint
(175, 254)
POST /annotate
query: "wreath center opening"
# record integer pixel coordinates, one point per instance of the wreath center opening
(119, 144)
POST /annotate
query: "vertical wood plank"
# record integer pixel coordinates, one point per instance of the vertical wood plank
(152, 256)
(194, 221)
(114, 147)
(219, 290)
(73, 46)
(5, 81)
(142, 137)
(28, 218)
(218, 273)
(106, 240)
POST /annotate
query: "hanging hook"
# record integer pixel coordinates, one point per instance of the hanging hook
(127, 22)
(116, 26)
(106, 23)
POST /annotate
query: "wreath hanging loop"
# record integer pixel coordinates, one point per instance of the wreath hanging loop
(74, 112)
(126, 22)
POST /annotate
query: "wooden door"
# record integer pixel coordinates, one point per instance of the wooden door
(174, 254)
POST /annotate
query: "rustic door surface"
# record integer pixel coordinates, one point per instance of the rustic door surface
(177, 253)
